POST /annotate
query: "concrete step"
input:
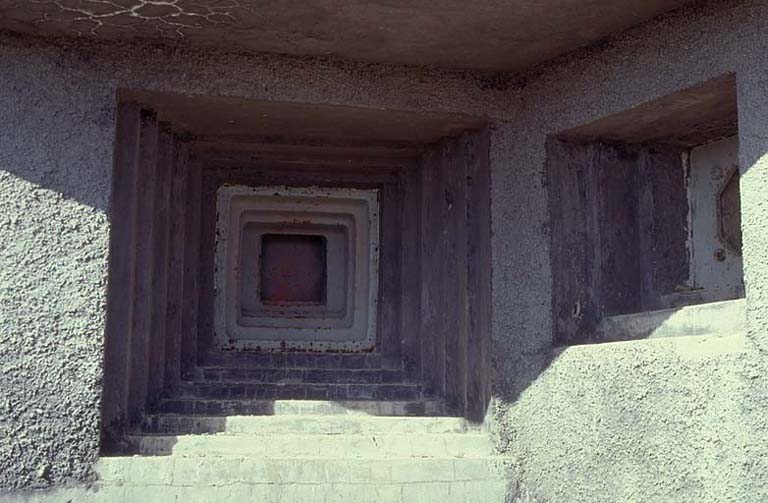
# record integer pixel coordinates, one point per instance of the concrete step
(455, 491)
(246, 359)
(298, 391)
(303, 407)
(316, 446)
(303, 375)
(172, 471)
(287, 424)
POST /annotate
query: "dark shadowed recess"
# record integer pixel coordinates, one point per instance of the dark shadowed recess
(619, 207)
(172, 154)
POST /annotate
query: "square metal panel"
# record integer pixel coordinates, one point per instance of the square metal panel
(292, 269)
(296, 268)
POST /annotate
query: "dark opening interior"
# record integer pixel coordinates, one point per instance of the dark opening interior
(293, 269)
(645, 212)
(172, 155)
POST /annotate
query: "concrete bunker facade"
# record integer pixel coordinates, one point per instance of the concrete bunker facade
(573, 260)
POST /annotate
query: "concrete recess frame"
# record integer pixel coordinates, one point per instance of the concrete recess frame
(347, 218)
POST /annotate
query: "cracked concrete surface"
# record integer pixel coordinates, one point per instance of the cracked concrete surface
(166, 18)
(490, 36)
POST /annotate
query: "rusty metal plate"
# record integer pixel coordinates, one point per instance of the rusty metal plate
(293, 269)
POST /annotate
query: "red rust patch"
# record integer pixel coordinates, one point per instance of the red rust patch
(293, 269)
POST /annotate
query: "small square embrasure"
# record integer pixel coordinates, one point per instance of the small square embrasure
(293, 269)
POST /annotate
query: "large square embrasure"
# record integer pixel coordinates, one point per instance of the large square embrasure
(296, 267)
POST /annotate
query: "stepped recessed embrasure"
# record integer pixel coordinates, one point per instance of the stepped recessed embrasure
(296, 268)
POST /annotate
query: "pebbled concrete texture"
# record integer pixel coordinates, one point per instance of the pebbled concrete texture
(633, 421)
(55, 164)
(58, 110)
(658, 420)
(443, 33)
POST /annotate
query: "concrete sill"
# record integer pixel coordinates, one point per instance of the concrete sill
(689, 332)
(716, 318)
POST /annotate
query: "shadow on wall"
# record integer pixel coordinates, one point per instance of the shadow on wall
(55, 163)
(58, 136)
(622, 225)
(174, 153)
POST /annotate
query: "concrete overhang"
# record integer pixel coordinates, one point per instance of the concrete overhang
(486, 35)
(234, 120)
(687, 118)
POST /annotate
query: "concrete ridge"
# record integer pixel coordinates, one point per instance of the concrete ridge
(314, 407)
(316, 445)
(360, 361)
(325, 424)
(301, 391)
(304, 375)
(203, 471)
(227, 383)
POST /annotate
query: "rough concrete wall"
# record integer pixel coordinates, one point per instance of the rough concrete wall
(55, 167)
(156, 68)
(137, 299)
(753, 164)
(575, 422)
(433, 274)
(58, 108)
(595, 423)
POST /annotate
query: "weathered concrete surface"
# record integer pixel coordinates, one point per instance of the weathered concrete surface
(456, 491)
(217, 119)
(319, 81)
(712, 319)
(349, 321)
(686, 118)
(637, 421)
(619, 221)
(633, 421)
(153, 480)
(489, 35)
(628, 422)
(55, 166)
(240, 168)
(388, 463)
(753, 165)
(455, 253)
(315, 447)
(318, 446)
